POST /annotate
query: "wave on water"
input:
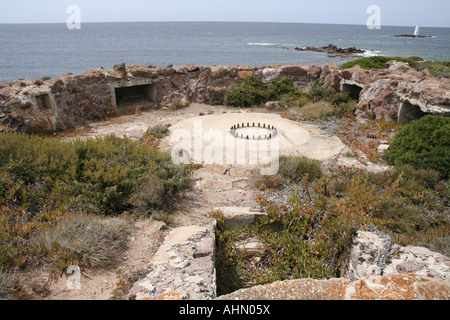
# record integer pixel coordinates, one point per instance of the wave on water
(261, 44)
(370, 53)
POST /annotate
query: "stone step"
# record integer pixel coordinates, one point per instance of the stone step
(240, 216)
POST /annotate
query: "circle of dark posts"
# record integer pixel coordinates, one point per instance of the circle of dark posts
(234, 130)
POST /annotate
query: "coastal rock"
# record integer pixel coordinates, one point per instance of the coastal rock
(330, 76)
(373, 253)
(393, 287)
(402, 96)
(369, 255)
(201, 86)
(420, 261)
(218, 72)
(252, 247)
(121, 69)
(334, 50)
(269, 75)
(398, 66)
(272, 105)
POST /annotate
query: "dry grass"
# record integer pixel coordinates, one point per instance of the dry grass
(317, 110)
(92, 240)
(6, 287)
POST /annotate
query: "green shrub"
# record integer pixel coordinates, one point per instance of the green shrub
(251, 91)
(416, 180)
(416, 58)
(158, 131)
(424, 144)
(437, 68)
(319, 93)
(248, 92)
(377, 62)
(282, 87)
(406, 218)
(101, 174)
(293, 100)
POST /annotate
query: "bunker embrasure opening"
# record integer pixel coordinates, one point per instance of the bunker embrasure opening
(126, 96)
(352, 90)
(409, 112)
(44, 102)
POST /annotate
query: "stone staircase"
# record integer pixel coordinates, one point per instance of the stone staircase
(184, 265)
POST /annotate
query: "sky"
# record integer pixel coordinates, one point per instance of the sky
(431, 13)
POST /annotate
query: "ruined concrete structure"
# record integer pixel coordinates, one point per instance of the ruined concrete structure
(48, 105)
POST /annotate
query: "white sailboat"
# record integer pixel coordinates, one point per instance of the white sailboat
(416, 31)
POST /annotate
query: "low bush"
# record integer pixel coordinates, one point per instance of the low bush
(424, 144)
(377, 62)
(293, 100)
(158, 131)
(436, 68)
(248, 92)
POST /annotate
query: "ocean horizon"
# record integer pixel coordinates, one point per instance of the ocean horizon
(33, 51)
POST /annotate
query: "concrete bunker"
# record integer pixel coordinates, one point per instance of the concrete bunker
(409, 112)
(44, 102)
(353, 90)
(131, 95)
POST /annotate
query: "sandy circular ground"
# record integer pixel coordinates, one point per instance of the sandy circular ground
(208, 140)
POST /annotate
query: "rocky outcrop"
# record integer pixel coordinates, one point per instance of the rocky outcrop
(334, 51)
(394, 287)
(400, 93)
(369, 255)
(49, 105)
(373, 253)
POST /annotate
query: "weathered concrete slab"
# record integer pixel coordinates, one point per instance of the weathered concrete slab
(183, 267)
(393, 287)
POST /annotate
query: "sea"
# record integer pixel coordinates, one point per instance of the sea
(33, 51)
